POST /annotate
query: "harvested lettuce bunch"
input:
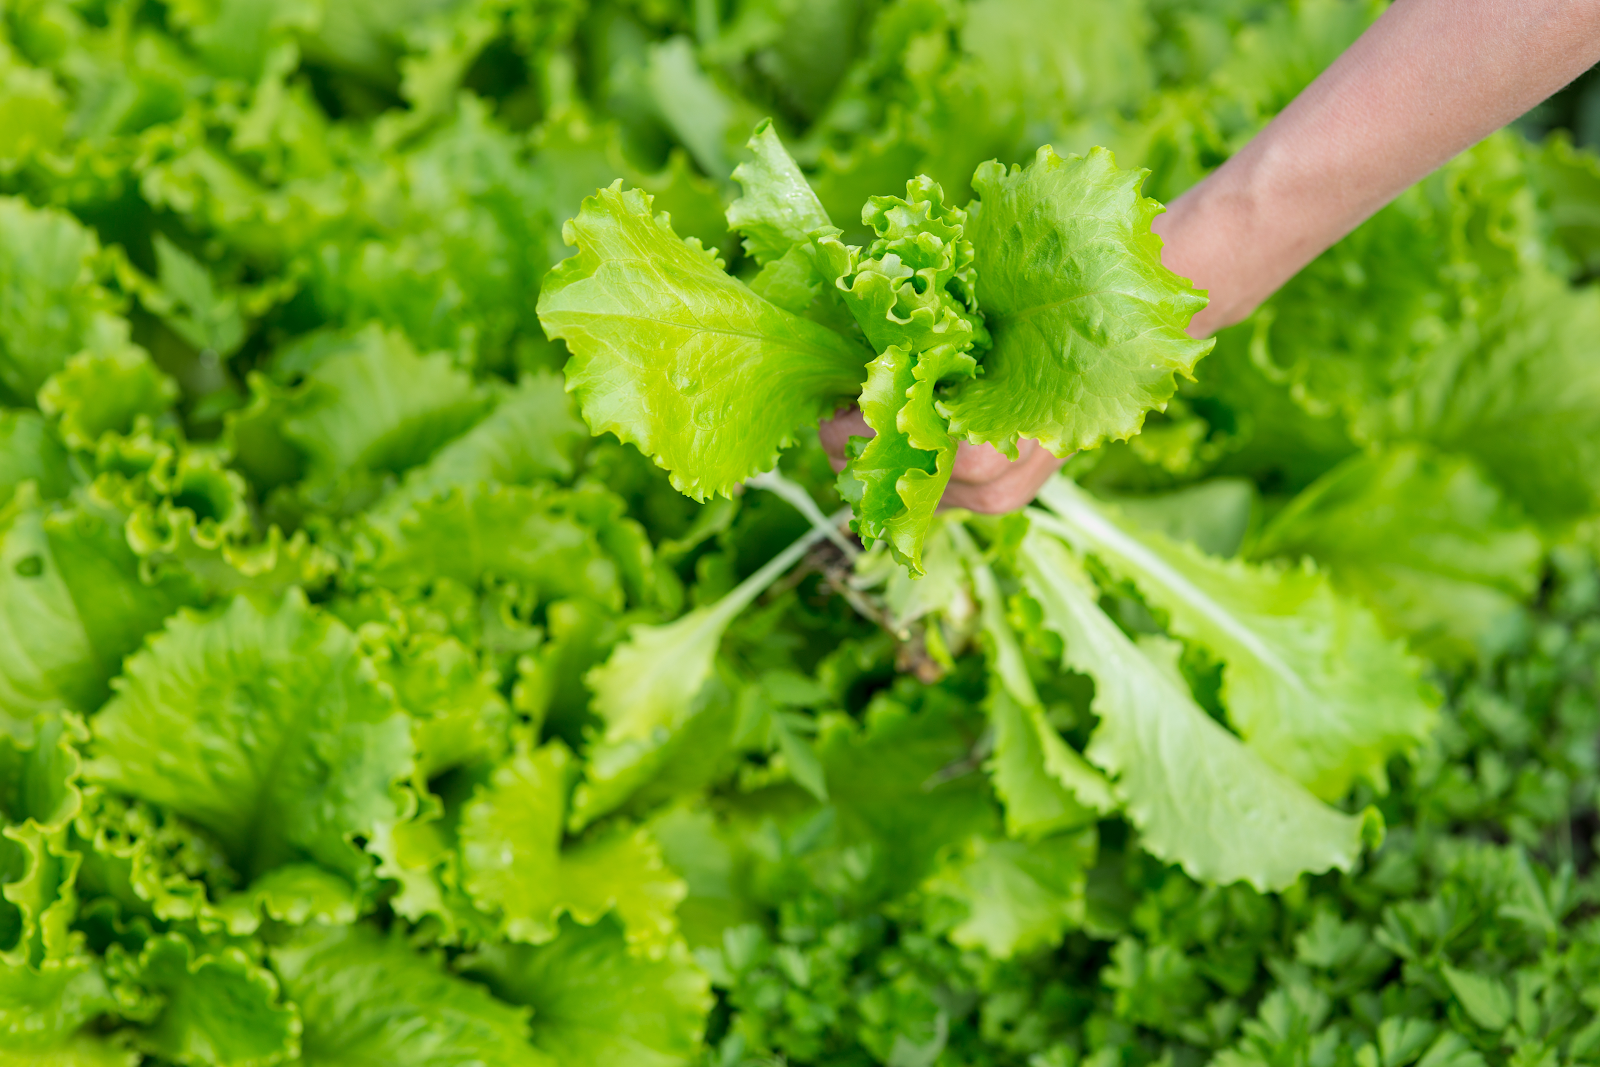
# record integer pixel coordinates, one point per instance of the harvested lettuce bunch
(1040, 310)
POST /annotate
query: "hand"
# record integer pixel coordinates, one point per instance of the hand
(982, 479)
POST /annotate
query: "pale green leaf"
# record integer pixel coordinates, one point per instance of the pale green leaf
(1197, 794)
(673, 355)
(1309, 679)
(778, 209)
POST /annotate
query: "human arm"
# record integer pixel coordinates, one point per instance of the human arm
(1427, 80)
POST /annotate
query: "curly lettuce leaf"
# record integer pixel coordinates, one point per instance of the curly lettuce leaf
(104, 392)
(513, 864)
(370, 403)
(365, 997)
(267, 727)
(913, 292)
(596, 1003)
(1309, 679)
(1198, 795)
(1087, 325)
(674, 356)
(1425, 539)
(43, 1008)
(218, 1006)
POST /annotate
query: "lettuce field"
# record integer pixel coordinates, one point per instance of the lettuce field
(432, 634)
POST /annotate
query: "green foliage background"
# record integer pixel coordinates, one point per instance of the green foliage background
(306, 566)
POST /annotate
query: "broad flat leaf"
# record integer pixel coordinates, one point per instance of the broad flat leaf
(674, 356)
(1519, 394)
(778, 209)
(513, 863)
(1309, 679)
(367, 998)
(1485, 999)
(900, 786)
(1088, 326)
(594, 1003)
(266, 727)
(1050, 61)
(1198, 795)
(1434, 547)
(219, 1007)
(1019, 896)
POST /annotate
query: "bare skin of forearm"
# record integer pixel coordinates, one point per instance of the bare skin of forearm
(1429, 79)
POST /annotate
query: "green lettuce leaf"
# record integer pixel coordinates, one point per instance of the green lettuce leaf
(913, 292)
(72, 605)
(900, 789)
(513, 864)
(30, 451)
(1198, 795)
(1016, 896)
(1308, 679)
(647, 689)
(370, 403)
(1045, 784)
(1088, 326)
(101, 392)
(369, 998)
(674, 356)
(42, 1008)
(1425, 539)
(219, 1007)
(597, 1004)
(56, 306)
(530, 435)
(778, 210)
(267, 727)
(533, 535)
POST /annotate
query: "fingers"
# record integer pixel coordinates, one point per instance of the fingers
(1014, 488)
(977, 464)
(982, 478)
(837, 431)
